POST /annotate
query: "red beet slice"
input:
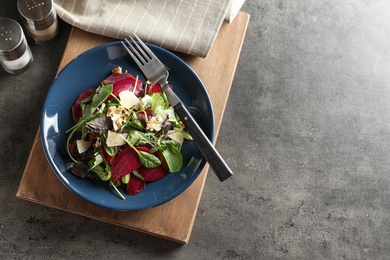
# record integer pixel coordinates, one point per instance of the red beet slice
(124, 81)
(127, 84)
(125, 162)
(76, 109)
(143, 149)
(135, 185)
(164, 164)
(74, 151)
(151, 174)
(113, 78)
(156, 88)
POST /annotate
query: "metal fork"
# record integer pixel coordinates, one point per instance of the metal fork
(155, 71)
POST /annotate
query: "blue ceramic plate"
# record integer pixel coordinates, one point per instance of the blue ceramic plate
(87, 71)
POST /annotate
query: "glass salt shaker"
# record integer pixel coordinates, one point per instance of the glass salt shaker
(39, 18)
(15, 54)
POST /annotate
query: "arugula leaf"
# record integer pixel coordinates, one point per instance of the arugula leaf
(134, 136)
(137, 124)
(76, 128)
(88, 115)
(99, 98)
(112, 184)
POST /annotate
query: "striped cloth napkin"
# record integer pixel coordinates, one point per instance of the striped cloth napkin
(187, 26)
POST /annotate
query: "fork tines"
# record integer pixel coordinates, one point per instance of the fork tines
(143, 55)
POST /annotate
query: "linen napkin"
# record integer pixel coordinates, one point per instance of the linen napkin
(187, 26)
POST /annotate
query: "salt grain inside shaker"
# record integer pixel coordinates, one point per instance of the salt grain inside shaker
(15, 54)
(40, 19)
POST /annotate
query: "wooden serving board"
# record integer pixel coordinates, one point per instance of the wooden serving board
(173, 220)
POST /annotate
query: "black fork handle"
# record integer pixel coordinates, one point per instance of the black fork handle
(214, 159)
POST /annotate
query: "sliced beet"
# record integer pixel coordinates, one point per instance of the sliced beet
(124, 81)
(135, 185)
(143, 149)
(156, 88)
(164, 164)
(113, 78)
(74, 151)
(151, 174)
(77, 112)
(124, 163)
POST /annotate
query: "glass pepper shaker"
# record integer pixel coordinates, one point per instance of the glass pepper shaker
(39, 18)
(15, 54)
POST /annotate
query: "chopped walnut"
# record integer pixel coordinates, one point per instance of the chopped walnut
(119, 121)
(182, 125)
(117, 70)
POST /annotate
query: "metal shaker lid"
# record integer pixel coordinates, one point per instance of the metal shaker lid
(37, 14)
(12, 41)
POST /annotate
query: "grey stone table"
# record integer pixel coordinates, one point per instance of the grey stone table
(306, 130)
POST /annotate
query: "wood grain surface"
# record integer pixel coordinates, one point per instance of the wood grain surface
(173, 220)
